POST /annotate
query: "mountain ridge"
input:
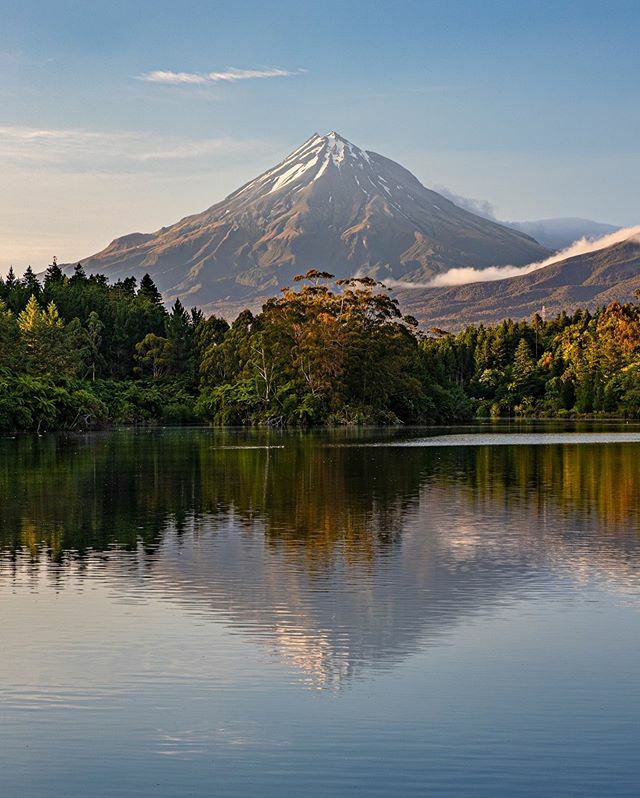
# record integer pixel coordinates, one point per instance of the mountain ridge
(582, 281)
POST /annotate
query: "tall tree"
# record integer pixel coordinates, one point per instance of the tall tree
(180, 335)
(54, 273)
(43, 334)
(11, 349)
(148, 290)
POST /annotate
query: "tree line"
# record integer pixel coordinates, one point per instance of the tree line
(77, 351)
(580, 364)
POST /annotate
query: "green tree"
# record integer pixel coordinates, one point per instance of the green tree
(53, 274)
(148, 290)
(180, 335)
(11, 349)
(45, 341)
(153, 356)
(89, 343)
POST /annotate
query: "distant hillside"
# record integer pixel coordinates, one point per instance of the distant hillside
(555, 233)
(588, 280)
(560, 233)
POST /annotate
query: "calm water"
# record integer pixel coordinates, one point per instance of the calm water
(190, 612)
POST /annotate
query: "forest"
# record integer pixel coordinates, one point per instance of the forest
(77, 352)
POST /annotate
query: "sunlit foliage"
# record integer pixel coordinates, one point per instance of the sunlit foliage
(77, 351)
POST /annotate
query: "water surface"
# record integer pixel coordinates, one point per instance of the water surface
(374, 612)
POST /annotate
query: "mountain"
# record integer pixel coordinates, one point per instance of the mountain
(560, 233)
(328, 205)
(587, 280)
(555, 233)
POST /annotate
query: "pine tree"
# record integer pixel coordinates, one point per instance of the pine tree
(54, 273)
(79, 274)
(149, 290)
(499, 346)
(31, 283)
(48, 350)
(523, 364)
(31, 316)
(180, 334)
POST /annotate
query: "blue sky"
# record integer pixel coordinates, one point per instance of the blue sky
(530, 105)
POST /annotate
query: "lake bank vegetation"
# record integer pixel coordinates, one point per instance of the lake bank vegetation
(79, 352)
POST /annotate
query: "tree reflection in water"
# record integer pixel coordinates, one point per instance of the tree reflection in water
(339, 555)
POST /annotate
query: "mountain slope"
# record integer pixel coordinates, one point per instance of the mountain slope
(587, 280)
(328, 205)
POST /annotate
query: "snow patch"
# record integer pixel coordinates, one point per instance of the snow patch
(317, 153)
(335, 149)
(292, 174)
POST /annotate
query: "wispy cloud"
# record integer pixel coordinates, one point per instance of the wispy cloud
(480, 207)
(78, 150)
(230, 75)
(467, 275)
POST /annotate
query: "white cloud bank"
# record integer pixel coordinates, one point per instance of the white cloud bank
(463, 276)
(231, 75)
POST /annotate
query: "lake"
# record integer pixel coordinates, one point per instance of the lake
(191, 612)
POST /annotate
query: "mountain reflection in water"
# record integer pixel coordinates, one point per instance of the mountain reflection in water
(341, 557)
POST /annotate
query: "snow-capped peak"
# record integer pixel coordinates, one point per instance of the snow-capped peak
(318, 157)
(338, 147)
(314, 156)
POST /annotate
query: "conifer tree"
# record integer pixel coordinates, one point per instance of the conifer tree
(11, 354)
(54, 273)
(149, 290)
(47, 346)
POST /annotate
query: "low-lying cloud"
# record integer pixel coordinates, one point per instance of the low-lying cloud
(231, 75)
(466, 275)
